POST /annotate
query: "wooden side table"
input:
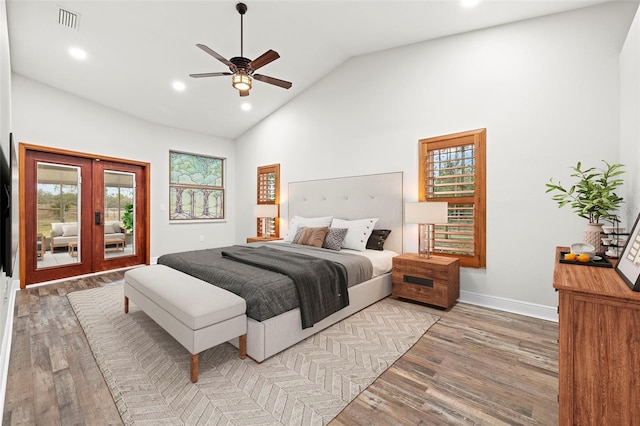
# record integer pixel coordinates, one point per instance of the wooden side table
(598, 346)
(262, 239)
(434, 280)
(73, 248)
(41, 243)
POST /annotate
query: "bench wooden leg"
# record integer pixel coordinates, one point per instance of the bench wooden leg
(194, 368)
(126, 305)
(243, 346)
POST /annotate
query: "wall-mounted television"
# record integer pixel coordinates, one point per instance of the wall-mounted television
(8, 183)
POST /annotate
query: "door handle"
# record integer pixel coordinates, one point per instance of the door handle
(98, 219)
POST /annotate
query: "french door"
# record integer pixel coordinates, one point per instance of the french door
(82, 214)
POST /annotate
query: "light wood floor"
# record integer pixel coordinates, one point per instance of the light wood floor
(475, 366)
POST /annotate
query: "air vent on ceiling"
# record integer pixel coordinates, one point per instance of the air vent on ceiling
(68, 19)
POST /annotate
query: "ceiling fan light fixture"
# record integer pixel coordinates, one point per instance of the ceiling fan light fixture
(242, 69)
(241, 81)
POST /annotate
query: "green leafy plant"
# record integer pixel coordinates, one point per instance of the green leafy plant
(593, 196)
(127, 217)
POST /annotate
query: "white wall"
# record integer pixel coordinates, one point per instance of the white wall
(547, 90)
(630, 118)
(5, 128)
(7, 289)
(46, 116)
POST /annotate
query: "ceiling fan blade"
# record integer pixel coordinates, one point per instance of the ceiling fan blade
(217, 56)
(244, 93)
(274, 81)
(209, 74)
(262, 60)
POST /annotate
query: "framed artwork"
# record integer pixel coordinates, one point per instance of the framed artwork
(196, 187)
(629, 263)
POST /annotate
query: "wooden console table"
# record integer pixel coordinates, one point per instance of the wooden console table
(599, 346)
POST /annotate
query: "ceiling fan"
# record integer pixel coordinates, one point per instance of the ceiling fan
(242, 69)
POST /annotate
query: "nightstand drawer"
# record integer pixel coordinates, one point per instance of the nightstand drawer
(434, 280)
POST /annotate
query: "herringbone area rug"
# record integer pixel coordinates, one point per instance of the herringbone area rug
(147, 371)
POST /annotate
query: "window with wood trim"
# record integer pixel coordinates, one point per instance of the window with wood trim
(269, 193)
(453, 169)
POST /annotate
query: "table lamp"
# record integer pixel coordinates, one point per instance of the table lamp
(426, 214)
(265, 211)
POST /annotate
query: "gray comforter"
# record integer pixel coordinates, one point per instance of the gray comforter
(267, 293)
(321, 284)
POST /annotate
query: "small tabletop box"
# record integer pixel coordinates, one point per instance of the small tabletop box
(434, 280)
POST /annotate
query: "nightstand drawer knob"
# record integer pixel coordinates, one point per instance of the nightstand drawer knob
(418, 280)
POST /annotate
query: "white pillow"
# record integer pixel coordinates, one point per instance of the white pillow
(310, 222)
(358, 232)
(112, 228)
(70, 230)
(56, 228)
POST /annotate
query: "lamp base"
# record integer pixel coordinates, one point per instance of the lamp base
(425, 234)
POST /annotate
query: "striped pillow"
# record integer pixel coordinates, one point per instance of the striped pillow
(313, 236)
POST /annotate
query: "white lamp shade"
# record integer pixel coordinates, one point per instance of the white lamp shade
(426, 212)
(266, 210)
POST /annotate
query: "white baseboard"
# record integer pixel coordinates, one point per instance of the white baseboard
(549, 313)
(5, 351)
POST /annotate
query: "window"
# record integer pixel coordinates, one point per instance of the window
(196, 187)
(452, 169)
(269, 193)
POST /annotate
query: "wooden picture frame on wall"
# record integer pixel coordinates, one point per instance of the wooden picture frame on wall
(628, 265)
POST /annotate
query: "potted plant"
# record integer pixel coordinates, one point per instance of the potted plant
(592, 197)
(127, 218)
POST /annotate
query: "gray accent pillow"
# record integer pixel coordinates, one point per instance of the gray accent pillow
(334, 238)
(298, 235)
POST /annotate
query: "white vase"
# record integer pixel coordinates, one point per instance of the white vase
(592, 235)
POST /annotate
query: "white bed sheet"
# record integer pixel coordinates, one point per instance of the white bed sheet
(380, 259)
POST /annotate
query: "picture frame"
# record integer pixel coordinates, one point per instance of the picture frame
(628, 266)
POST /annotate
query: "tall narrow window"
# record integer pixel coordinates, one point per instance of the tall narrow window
(269, 193)
(452, 169)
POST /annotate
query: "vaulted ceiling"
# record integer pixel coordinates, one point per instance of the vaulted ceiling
(137, 49)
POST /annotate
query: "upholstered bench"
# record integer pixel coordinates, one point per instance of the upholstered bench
(197, 314)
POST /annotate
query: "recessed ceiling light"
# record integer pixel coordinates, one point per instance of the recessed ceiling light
(77, 53)
(179, 86)
(246, 106)
(469, 3)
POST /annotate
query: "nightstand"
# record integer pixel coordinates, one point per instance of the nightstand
(434, 280)
(262, 239)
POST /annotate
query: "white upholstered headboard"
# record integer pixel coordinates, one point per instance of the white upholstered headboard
(351, 198)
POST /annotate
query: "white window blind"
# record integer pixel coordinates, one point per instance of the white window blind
(268, 192)
(452, 170)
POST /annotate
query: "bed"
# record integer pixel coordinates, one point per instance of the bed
(349, 198)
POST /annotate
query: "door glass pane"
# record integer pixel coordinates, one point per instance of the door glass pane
(58, 227)
(119, 214)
